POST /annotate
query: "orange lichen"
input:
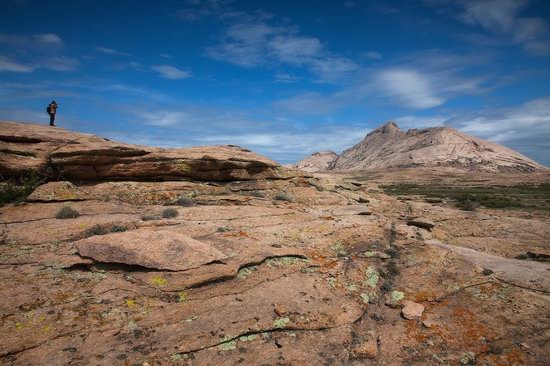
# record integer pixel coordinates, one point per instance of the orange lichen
(414, 331)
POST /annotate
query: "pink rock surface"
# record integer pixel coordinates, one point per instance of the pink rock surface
(151, 249)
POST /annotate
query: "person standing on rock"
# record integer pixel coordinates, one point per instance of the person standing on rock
(51, 110)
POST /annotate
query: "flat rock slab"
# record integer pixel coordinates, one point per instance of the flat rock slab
(421, 222)
(57, 192)
(164, 250)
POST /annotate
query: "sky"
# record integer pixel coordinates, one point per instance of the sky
(282, 78)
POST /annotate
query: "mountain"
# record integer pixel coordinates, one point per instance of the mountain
(317, 161)
(390, 147)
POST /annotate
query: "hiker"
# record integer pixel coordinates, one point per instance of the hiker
(51, 110)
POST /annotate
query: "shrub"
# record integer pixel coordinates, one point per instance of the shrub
(67, 212)
(392, 269)
(118, 229)
(149, 217)
(96, 230)
(223, 229)
(284, 196)
(169, 213)
(185, 202)
(16, 190)
(258, 194)
(392, 252)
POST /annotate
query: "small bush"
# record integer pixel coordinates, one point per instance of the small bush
(185, 202)
(118, 229)
(17, 190)
(284, 196)
(67, 212)
(387, 287)
(258, 194)
(433, 200)
(169, 213)
(149, 217)
(96, 230)
(392, 269)
(392, 252)
(223, 229)
(467, 205)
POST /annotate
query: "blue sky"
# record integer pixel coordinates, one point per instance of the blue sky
(283, 78)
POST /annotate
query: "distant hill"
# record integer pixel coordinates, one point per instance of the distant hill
(317, 161)
(390, 147)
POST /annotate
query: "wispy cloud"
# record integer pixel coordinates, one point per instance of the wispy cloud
(9, 65)
(45, 42)
(411, 87)
(251, 41)
(286, 78)
(502, 18)
(171, 72)
(61, 63)
(111, 51)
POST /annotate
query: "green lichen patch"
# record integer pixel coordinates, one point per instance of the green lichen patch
(365, 298)
(247, 271)
(371, 277)
(280, 323)
(248, 338)
(338, 248)
(284, 261)
(228, 346)
(182, 296)
(159, 281)
(397, 296)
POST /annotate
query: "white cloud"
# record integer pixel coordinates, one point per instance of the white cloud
(531, 119)
(502, 17)
(7, 64)
(46, 42)
(371, 55)
(61, 63)
(49, 38)
(171, 72)
(252, 42)
(411, 87)
(286, 78)
(111, 51)
(295, 50)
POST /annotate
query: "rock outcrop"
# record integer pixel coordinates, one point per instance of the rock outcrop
(390, 147)
(58, 153)
(318, 161)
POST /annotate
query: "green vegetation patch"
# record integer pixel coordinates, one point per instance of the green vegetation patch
(17, 190)
(67, 212)
(524, 196)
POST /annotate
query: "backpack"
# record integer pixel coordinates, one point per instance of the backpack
(49, 109)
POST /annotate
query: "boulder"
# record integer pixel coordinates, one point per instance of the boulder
(164, 250)
(421, 222)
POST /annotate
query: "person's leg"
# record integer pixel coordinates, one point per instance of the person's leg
(52, 119)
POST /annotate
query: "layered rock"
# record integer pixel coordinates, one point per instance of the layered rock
(60, 153)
